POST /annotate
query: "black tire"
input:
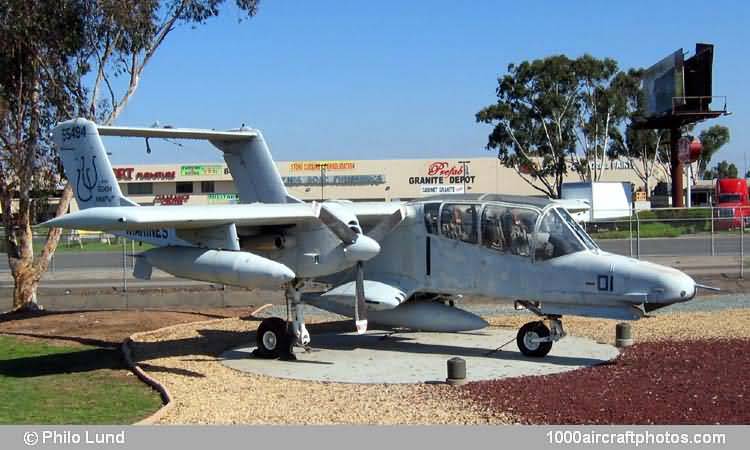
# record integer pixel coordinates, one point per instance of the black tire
(531, 330)
(272, 338)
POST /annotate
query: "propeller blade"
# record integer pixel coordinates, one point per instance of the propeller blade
(334, 223)
(360, 307)
(381, 230)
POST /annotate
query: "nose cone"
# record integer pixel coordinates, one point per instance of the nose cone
(662, 284)
(677, 287)
(362, 249)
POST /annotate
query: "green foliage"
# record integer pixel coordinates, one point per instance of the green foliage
(723, 169)
(46, 384)
(712, 139)
(557, 114)
(648, 230)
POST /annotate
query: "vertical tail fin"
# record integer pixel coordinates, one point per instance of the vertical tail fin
(254, 172)
(86, 164)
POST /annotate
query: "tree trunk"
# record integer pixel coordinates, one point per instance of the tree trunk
(27, 271)
(20, 260)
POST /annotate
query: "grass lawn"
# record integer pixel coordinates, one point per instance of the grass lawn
(96, 246)
(90, 246)
(648, 230)
(50, 384)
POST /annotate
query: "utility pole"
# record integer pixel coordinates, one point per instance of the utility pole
(678, 193)
(464, 172)
(322, 167)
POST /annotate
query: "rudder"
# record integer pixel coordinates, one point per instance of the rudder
(86, 164)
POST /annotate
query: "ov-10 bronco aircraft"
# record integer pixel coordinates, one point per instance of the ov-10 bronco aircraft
(397, 264)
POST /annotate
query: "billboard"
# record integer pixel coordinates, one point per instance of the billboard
(663, 82)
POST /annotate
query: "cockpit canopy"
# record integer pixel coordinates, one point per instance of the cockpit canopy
(515, 229)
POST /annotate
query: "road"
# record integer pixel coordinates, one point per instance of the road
(683, 246)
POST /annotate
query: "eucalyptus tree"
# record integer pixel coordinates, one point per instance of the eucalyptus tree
(65, 58)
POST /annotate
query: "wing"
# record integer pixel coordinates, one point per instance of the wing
(184, 217)
(374, 211)
(127, 218)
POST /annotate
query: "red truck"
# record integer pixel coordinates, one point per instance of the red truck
(733, 203)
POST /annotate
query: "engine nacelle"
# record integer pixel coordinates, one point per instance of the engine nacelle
(267, 242)
(241, 269)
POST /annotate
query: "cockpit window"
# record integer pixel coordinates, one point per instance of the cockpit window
(508, 230)
(431, 211)
(555, 238)
(493, 235)
(459, 222)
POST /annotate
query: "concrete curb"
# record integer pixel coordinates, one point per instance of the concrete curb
(166, 397)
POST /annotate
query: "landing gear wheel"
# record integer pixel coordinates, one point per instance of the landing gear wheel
(273, 340)
(527, 339)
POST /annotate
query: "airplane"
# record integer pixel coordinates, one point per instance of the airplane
(396, 264)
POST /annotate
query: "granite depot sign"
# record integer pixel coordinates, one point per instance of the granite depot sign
(443, 172)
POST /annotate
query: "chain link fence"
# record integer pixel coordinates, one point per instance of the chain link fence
(711, 235)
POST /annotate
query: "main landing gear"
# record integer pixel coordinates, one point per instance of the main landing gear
(535, 338)
(277, 337)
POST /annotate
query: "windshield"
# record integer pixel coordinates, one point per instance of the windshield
(727, 198)
(554, 238)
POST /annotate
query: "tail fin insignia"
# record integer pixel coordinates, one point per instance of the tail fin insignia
(86, 164)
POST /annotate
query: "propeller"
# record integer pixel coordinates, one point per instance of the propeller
(359, 248)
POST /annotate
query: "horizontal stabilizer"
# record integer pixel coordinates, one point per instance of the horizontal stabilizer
(177, 133)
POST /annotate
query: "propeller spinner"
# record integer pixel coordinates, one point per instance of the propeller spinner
(359, 248)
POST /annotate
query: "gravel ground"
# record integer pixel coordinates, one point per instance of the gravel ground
(667, 382)
(729, 323)
(185, 359)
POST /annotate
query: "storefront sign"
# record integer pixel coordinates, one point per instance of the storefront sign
(201, 171)
(334, 180)
(223, 198)
(171, 199)
(442, 172)
(126, 174)
(442, 189)
(297, 166)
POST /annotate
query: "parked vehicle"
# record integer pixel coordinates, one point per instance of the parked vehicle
(732, 203)
(606, 200)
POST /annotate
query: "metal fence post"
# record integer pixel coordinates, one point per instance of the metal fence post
(742, 248)
(638, 236)
(124, 265)
(630, 227)
(713, 248)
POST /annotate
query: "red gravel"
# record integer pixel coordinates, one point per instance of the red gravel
(683, 382)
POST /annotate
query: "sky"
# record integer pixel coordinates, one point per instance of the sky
(403, 79)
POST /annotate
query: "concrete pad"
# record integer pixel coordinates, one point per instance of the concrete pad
(419, 357)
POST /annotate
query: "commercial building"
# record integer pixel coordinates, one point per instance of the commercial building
(357, 180)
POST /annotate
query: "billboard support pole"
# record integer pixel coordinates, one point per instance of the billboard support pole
(677, 189)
